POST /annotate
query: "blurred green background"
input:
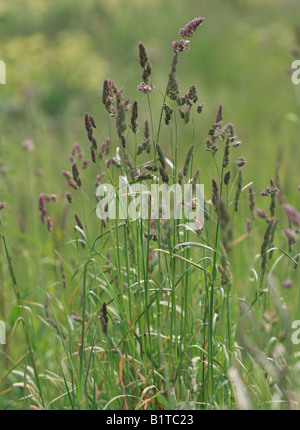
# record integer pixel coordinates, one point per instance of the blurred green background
(58, 53)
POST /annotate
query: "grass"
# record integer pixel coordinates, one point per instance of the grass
(145, 313)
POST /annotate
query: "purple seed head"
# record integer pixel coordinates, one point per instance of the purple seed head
(93, 154)
(143, 57)
(261, 213)
(287, 284)
(241, 162)
(180, 46)
(28, 145)
(49, 225)
(69, 197)
(144, 88)
(191, 27)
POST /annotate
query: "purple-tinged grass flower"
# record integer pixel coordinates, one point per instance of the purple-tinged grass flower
(168, 113)
(73, 184)
(291, 235)
(85, 164)
(134, 115)
(188, 160)
(173, 87)
(93, 154)
(180, 176)
(143, 176)
(42, 208)
(185, 114)
(219, 116)
(249, 225)
(143, 57)
(241, 162)
(49, 225)
(78, 221)
(239, 190)
(151, 167)
(104, 318)
(66, 174)
(69, 197)
(200, 108)
(75, 173)
(261, 213)
(195, 178)
(227, 177)
(146, 129)
(161, 155)
(191, 27)
(28, 145)
(180, 46)
(264, 246)
(92, 121)
(215, 193)
(76, 152)
(144, 88)
(62, 271)
(252, 202)
(287, 284)
(164, 175)
(88, 126)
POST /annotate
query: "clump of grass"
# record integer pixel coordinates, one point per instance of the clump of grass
(150, 314)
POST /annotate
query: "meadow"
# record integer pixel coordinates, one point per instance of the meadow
(149, 314)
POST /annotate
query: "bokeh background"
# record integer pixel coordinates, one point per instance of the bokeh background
(57, 55)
